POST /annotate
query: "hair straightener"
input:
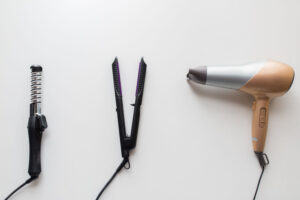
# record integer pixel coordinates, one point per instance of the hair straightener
(36, 125)
(127, 142)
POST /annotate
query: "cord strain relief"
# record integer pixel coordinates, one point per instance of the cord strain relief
(262, 159)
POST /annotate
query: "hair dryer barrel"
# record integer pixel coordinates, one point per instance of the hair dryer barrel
(232, 77)
(269, 78)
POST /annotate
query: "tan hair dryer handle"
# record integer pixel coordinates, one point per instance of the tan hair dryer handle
(260, 123)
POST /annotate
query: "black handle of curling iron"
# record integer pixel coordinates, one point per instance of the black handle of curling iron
(36, 125)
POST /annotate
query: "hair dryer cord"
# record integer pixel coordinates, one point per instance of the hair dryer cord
(262, 172)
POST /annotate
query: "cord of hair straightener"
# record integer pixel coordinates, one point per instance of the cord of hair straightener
(123, 164)
(21, 186)
(262, 172)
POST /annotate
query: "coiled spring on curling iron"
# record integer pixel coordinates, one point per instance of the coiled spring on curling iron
(36, 87)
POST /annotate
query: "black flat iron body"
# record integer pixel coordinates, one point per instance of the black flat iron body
(127, 142)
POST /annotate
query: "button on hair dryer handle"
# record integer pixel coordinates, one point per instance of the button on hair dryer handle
(260, 123)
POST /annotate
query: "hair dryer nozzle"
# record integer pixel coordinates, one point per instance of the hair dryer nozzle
(199, 74)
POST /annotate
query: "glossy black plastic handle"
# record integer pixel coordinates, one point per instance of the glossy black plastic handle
(36, 126)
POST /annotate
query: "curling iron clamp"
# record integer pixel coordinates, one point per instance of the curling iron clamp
(127, 142)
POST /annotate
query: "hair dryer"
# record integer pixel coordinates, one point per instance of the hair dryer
(263, 80)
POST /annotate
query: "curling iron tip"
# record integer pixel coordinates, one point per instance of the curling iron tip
(36, 68)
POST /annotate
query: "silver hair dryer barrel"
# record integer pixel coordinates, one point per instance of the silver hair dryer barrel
(232, 77)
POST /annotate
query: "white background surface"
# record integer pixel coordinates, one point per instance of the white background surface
(194, 142)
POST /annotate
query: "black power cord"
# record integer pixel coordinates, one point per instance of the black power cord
(21, 186)
(263, 161)
(123, 164)
(262, 172)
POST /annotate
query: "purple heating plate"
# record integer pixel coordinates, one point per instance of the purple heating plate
(119, 78)
(138, 80)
